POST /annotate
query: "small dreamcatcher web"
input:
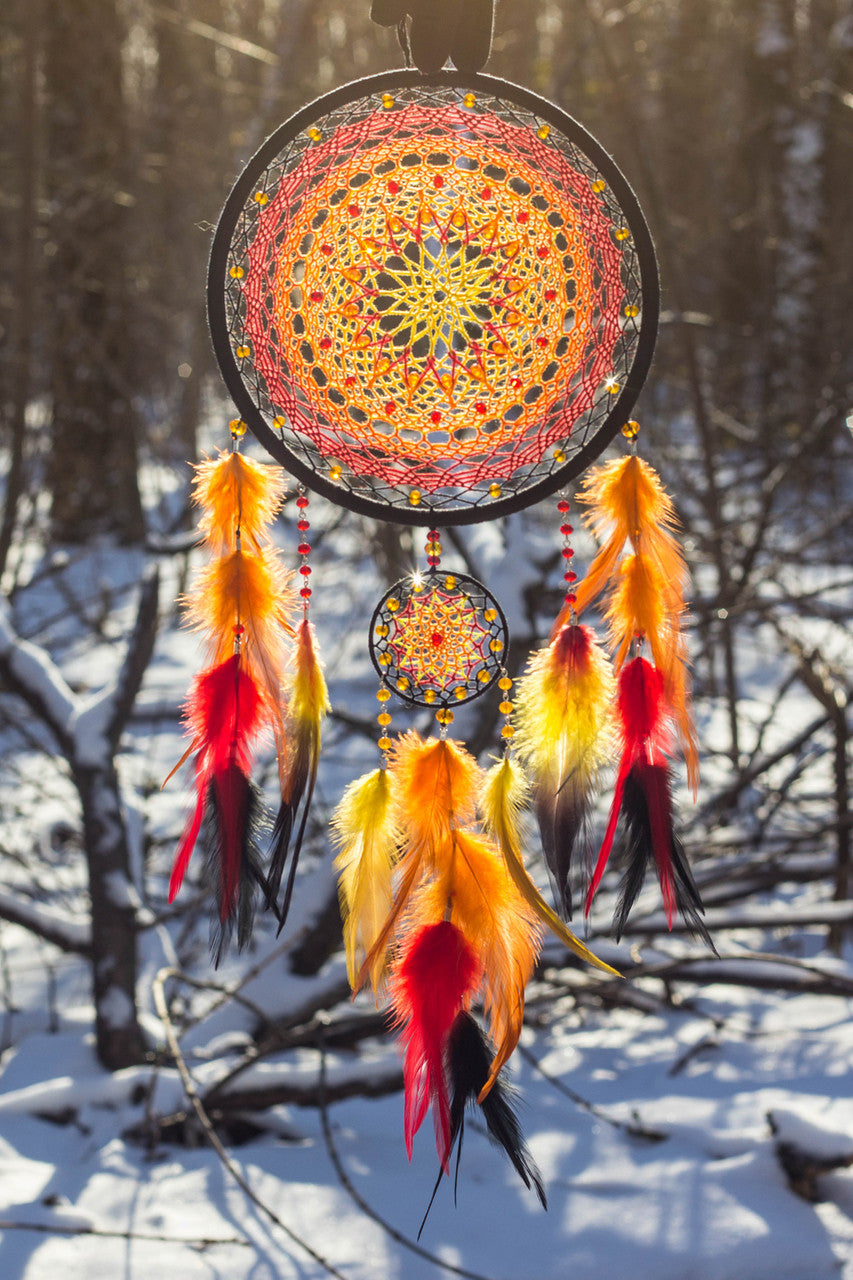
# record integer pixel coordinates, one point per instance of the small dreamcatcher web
(433, 299)
(438, 639)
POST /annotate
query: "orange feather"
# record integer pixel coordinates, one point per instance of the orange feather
(435, 786)
(475, 891)
(236, 493)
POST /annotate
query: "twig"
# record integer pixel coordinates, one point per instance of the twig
(158, 989)
(62, 1229)
(633, 1127)
(355, 1195)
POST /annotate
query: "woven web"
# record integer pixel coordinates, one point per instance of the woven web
(438, 639)
(433, 298)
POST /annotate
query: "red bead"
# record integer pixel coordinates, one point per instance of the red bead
(304, 548)
(550, 295)
(486, 193)
(305, 592)
(433, 535)
(433, 560)
(316, 296)
(566, 529)
(389, 407)
(438, 181)
(239, 629)
(393, 187)
(302, 525)
(571, 598)
(435, 417)
(567, 553)
(523, 216)
(325, 344)
(325, 249)
(305, 570)
(353, 210)
(562, 505)
(302, 501)
(480, 406)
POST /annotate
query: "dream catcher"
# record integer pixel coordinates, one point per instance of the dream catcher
(434, 301)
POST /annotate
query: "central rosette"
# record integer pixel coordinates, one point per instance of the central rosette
(436, 300)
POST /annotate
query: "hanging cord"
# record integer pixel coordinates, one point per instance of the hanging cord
(351, 1191)
(158, 988)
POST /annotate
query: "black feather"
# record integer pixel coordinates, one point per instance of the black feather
(468, 1063)
(281, 849)
(639, 849)
(238, 916)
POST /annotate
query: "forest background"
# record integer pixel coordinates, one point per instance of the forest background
(124, 124)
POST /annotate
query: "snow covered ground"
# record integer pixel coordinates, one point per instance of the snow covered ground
(661, 1123)
(675, 1174)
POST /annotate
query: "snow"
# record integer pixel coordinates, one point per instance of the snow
(656, 1122)
(707, 1200)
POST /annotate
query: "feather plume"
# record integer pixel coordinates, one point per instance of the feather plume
(224, 714)
(308, 706)
(562, 720)
(365, 833)
(645, 594)
(434, 978)
(239, 499)
(436, 784)
(468, 1057)
(502, 798)
(474, 890)
(629, 504)
(643, 795)
(249, 591)
(650, 834)
(232, 856)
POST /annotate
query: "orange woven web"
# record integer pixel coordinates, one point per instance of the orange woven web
(433, 297)
(438, 638)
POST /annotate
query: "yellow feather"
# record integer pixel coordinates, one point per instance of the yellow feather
(308, 705)
(562, 712)
(365, 833)
(233, 492)
(503, 795)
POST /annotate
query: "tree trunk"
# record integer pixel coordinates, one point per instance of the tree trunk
(92, 470)
(118, 1035)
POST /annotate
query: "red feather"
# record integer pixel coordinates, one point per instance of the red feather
(643, 798)
(224, 710)
(434, 980)
(642, 724)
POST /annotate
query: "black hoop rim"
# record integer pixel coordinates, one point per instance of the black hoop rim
(646, 258)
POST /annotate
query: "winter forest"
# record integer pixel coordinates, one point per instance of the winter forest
(691, 1118)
